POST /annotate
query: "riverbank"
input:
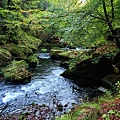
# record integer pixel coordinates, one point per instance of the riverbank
(106, 107)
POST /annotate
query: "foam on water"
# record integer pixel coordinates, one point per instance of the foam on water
(10, 95)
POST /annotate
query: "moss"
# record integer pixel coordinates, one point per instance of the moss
(64, 54)
(5, 56)
(15, 50)
(70, 54)
(29, 44)
(33, 60)
(17, 72)
(55, 52)
(44, 50)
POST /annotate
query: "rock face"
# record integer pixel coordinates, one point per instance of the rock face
(87, 73)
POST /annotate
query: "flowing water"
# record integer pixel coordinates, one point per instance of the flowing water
(45, 87)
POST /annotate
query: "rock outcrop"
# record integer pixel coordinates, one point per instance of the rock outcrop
(87, 73)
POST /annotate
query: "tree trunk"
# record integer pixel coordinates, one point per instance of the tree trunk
(9, 1)
(115, 35)
(109, 22)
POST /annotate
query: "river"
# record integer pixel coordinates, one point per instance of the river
(45, 87)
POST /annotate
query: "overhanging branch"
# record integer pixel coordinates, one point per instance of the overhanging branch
(100, 18)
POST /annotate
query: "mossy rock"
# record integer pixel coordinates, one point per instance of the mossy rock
(65, 64)
(17, 72)
(68, 54)
(33, 60)
(64, 54)
(16, 51)
(87, 73)
(5, 57)
(54, 53)
(44, 50)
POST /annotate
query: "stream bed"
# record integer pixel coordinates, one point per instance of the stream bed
(46, 87)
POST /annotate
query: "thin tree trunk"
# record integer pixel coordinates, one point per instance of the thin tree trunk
(112, 10)
(109, 22)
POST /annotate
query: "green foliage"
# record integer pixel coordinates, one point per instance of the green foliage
(87, 111)
(17, 32)
(65, 117)
(96, 59)
(44, 50)
(5, 56)
(15, 50)
(107, 51)
(81, 26)
(31, 4)
(117, 85)
(3, 4)
(76, 26)
(21, 117)
(109, 113)
(33, 59)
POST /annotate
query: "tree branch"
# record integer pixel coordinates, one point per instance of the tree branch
(100, 18)
(105, 11)
(112, 9)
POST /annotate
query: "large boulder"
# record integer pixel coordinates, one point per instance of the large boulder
(87, 73)
(17, 72)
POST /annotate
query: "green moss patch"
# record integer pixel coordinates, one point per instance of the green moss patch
(15, 50)
(64, 54)
(33, 60)
(17, 72)
(5, 56)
